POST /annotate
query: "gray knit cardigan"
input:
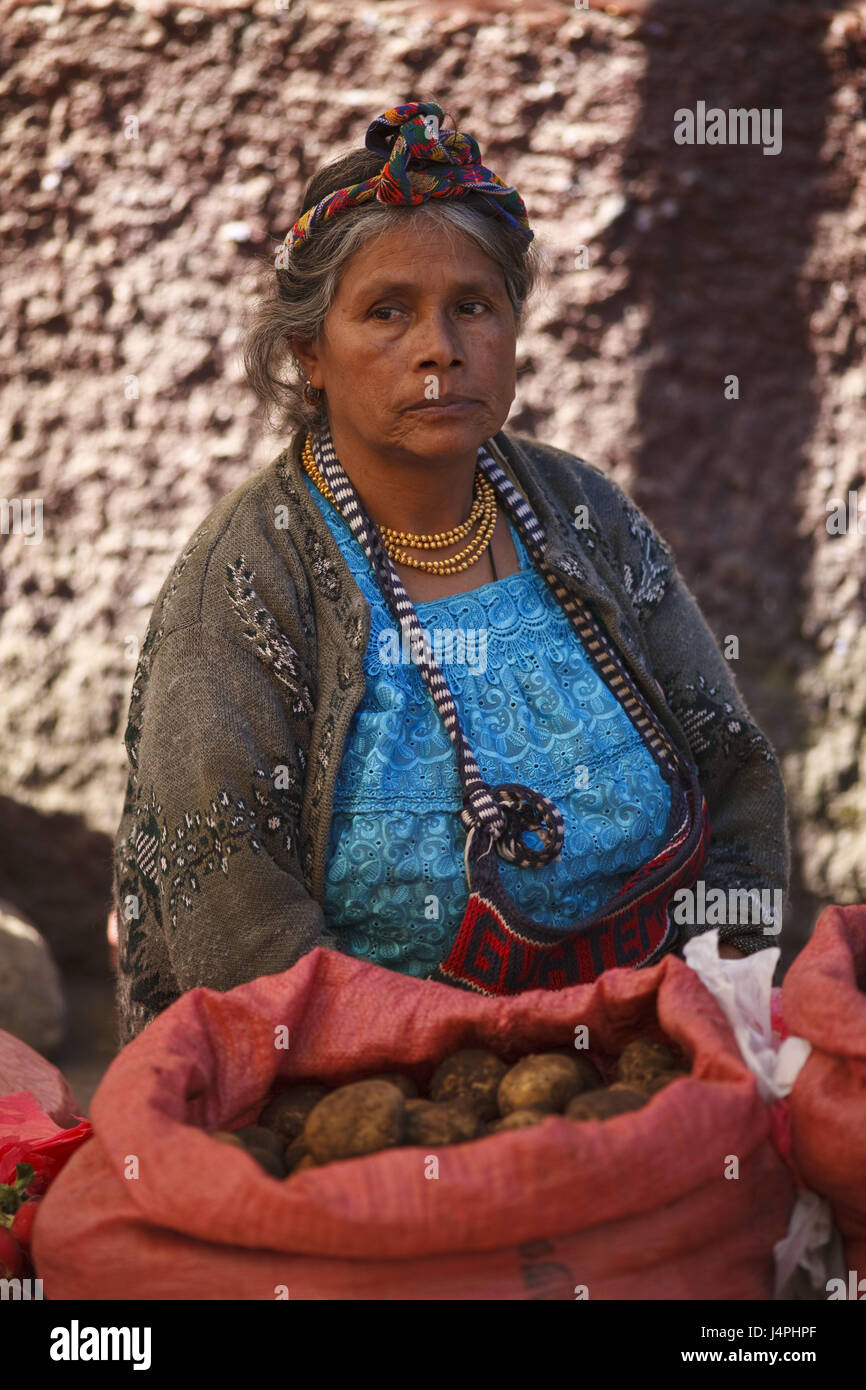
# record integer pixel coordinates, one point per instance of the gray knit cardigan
(250, 672)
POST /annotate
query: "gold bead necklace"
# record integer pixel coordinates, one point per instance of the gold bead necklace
(442, 538)
(395, 542)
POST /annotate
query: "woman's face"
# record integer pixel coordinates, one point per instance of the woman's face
(418, 312)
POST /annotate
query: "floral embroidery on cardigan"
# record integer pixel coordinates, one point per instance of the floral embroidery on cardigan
(645, 579)
(647, 583)
(271, 644)
(574, 569)
(712, 726)
(323, 571)
(144, 985)
(355, 631)
(205, 841)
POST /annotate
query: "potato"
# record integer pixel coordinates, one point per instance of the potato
(287, 1113)
(644, 1058)
(592, 1078)
(604, 1104)
(593, 1075)
(441, 1122)
(625, 1088)
(396, 1078)
(294, 1152)
(268, 1160)
(659, 1081)
(225, 1136)
(357, 1119)
(472, 1075)
(543, 1081)
(257, 1137)
(518, 1119)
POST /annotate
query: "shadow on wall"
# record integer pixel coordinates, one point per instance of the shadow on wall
(57, 872)
(715, 238)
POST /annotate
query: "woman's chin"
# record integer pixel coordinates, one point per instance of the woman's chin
(450, 429)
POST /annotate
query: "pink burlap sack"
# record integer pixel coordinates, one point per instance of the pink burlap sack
(637, 1207)
(824, 1001)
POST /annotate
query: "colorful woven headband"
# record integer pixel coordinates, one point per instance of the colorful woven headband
(422, 162)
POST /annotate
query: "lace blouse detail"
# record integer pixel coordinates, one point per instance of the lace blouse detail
(534, 711)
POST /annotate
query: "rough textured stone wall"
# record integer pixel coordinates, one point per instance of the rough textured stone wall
(152, 156)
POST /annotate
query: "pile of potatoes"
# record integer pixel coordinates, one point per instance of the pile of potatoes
(473, 1093)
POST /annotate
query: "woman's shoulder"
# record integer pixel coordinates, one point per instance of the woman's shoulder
(564, 473)
(241, 555)
(611, 521)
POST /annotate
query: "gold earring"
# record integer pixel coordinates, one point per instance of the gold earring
(312, 394)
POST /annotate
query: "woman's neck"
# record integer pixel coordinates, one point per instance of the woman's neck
(408, 493)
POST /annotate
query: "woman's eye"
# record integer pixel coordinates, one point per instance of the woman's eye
(472, 304)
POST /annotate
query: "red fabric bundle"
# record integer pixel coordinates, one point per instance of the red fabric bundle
(824, 1001)
(32, 1132)
(28, 1135)
(637, 1207)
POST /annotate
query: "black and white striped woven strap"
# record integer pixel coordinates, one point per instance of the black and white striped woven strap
(505, 811)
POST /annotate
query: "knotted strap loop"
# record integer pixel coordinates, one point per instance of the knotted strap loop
(481, 810)
(507, 812)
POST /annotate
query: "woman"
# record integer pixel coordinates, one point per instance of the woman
(424, 690)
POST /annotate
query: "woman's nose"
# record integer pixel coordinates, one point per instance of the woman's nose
(437, 341)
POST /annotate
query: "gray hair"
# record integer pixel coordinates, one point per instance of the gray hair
(297, 297)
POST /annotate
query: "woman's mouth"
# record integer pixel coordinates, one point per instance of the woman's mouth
(444, 406)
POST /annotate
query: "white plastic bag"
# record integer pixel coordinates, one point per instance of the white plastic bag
(742, 989)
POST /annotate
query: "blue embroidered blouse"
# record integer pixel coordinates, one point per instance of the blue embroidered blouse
(534, 711)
